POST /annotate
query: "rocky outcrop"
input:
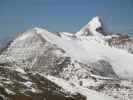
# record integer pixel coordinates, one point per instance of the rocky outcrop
(122, 42)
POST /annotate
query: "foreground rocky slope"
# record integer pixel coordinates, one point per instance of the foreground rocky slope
(87, 65)
(16, 85)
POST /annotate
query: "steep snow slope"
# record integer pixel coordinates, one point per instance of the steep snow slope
(91, 27)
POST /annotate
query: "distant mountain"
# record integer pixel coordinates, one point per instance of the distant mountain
(94, 27)
(87, 65)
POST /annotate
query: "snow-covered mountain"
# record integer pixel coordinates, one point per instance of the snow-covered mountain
(88, 63)
(94, 27)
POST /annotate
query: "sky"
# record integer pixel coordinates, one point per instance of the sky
(64, 15)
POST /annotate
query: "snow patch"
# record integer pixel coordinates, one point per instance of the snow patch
(28, 84)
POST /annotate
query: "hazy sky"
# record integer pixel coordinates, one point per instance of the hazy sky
(64, 15)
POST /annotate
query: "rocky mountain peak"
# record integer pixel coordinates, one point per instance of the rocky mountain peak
(95, 23)
(94, 28)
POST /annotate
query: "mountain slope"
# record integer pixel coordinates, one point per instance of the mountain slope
(82, 61)
(89, 49)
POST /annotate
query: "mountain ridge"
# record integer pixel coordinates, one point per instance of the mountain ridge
(81, 61)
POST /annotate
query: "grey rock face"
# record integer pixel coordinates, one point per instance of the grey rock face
(103, 68)
(122, 42)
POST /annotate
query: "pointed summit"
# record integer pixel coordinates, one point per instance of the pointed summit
(94, 27)
(95, 23)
